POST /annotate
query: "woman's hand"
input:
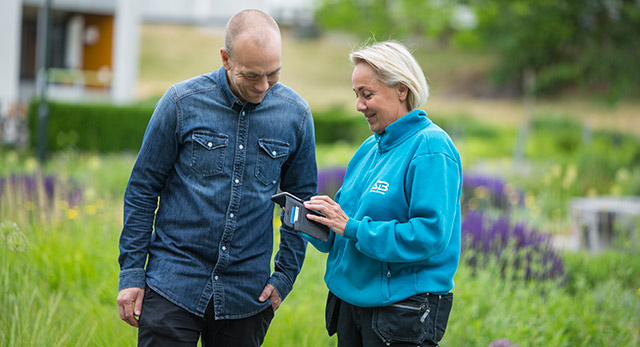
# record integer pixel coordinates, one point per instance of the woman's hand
(335, 218)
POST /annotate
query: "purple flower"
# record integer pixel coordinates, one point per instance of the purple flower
(514, 245)
(483, 192)
(30, 187)
(330, 180)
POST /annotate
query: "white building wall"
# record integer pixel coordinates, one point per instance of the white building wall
(10, 24)
(91, 6)
(126, 50)
(217, 12)
(129, 14)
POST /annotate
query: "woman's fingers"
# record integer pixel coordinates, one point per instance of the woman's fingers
(334, 218)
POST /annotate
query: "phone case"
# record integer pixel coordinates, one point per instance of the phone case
(295, 216)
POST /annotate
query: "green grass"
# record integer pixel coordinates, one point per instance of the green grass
(318, 69)
(59, 274)
(60, 291)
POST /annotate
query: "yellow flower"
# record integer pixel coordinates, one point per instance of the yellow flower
(31, 164)
(569, 177)
(94, 162)
(622, 175)
(481, 192)
(638, 291)
(529, 200)
(73, 213)
(90, 210)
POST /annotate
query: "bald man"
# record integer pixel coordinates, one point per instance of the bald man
(197, 239)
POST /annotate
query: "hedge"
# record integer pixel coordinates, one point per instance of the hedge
(111, 128)
(96, 128)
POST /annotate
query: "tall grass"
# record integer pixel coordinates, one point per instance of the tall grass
(59, 290)
(59, 274)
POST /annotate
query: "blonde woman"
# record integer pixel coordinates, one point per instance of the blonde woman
(394, 245)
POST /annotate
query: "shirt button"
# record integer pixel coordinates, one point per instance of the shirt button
(243, 113)
(237, 181)
(224, 248)
(274, 152)
(231, 215)
(241, 146)
(215, 277)
(274, 181)
(210, 144)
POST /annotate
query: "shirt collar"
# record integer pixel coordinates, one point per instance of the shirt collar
(221, 76)
(403, 128)
(232, 100)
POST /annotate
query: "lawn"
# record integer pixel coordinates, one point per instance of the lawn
(321, 72)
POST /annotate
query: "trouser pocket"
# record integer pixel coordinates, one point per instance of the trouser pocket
(418, 319)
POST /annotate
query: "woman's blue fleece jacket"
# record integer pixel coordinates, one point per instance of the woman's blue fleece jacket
(401, 192)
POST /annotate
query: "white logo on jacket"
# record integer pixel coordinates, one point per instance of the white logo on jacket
(380, 187)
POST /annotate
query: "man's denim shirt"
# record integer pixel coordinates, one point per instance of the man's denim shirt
(210, 164)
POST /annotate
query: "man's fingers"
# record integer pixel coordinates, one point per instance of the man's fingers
(127, 298)
(266, 292)
(129, 317)
(121, 311)
(276, 300)
(125, 309)
(270, 292)
(138, 304)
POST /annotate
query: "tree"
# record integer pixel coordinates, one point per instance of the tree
(587, 43)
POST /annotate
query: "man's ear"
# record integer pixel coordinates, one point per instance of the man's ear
(225, 58)
(403, 91)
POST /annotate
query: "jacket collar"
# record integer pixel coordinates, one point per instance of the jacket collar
(403, 128)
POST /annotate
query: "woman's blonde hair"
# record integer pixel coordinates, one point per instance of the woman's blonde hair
(394, 64)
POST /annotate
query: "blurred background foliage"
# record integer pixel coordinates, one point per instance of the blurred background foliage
(589, 44)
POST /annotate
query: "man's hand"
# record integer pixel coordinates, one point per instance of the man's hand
(270, 292)
(127, 298)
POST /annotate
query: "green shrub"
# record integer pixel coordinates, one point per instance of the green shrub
(111, 128)
(620, 265)
(554, 136)
(336, 125)
(599, 162)
(95, 128)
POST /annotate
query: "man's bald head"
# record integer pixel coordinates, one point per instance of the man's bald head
(253, 24)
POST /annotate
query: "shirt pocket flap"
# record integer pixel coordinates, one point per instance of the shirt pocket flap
(274, 149)
(210, 141)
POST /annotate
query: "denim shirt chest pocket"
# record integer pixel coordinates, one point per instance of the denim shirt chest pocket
(271, 156)
(207, 157)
